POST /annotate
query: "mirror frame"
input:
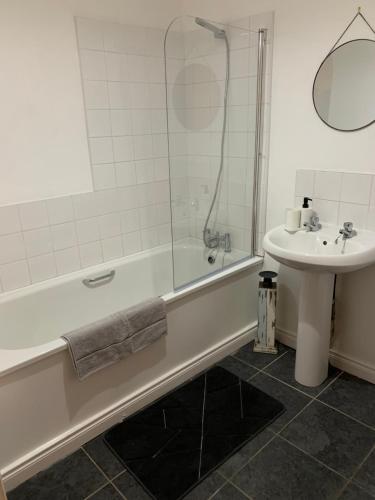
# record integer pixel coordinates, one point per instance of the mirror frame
(316, 76)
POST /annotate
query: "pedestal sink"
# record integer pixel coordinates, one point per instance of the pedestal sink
(318, 258)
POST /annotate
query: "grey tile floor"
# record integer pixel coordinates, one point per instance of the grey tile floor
(322, 447)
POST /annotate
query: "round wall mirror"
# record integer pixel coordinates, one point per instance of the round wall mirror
(344, 86)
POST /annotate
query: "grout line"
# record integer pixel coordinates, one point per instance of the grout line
(96, 491)
(346, 415)
(239, 489)
(350, 480)
(109, 480)
(312, 457)
(273, 436)
(329, 383)
(286, 383)
(96, 465)
(118, 475)
(253, 366)
(202, 425)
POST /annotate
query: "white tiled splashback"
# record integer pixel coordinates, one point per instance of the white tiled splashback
(339, 196)
(44, 239)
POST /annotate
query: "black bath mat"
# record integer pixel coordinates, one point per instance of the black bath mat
(172, 445)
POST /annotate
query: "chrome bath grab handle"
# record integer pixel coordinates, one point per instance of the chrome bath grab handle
(93, 282)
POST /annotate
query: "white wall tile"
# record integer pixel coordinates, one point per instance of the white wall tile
(155, 70)
(128, 197)
(98, 123)
(161, 192)
(130, 221)
(107, 201)
(91, 254)
(141, 121)
(119, 95)
(38, 241)
(64, 235)
(164, 234)
(159, 121)
(143, 147)
(85, 206)
(132, 243)
(161, 169)
(12, 248)
(33, 215)
(9, 220)
(112, 248)
(148, 217)
(326, 210)
(351, 212)
(87, 230)
(328, 185)
(137, 68)
(239, 92)
(370, 220)
(60, 210)
(239, 63)
(104, 176)
(163, 213)
(144, 171)
(356, 188)
(96, 94)
(149, 238)
(123, 148)
(160, 145)
(101, 150)
(42, 268)
(15, 275)
(117, 67)
(125, 174)
(305, 180)
(141, 95)
(67, 260)
(109, 225)
(121, 122)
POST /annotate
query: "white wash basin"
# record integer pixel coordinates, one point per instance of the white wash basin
(318, 258)
(317, 251)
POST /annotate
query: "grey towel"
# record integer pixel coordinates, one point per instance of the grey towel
(100, 344)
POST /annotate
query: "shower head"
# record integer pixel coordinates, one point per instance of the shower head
(219, 33)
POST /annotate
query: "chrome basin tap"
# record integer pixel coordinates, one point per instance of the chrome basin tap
(346, 232)
(314, 224)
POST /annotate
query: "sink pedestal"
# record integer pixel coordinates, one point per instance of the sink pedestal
(314, 327)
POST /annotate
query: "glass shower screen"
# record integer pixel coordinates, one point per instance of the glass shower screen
(211, 81)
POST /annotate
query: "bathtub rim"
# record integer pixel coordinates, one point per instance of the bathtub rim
(12, 360)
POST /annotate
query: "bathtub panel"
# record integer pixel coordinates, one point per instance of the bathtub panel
(44, 404)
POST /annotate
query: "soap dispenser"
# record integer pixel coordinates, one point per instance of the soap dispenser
(306, 211)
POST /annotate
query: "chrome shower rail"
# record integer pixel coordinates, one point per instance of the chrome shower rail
(262, 35)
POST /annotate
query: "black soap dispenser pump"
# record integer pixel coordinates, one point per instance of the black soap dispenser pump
(306, 211)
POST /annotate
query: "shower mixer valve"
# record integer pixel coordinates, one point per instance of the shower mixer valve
(218, 240)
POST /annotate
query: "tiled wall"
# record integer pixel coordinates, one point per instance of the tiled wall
(123, 85)
(196, 65)
(129, 210)
(339, 196)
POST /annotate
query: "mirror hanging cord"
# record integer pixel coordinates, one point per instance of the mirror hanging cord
(361, 16)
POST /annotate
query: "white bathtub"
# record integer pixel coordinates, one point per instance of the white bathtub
(46, 412)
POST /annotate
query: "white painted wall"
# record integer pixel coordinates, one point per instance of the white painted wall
(43, 143)
(304, 33)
